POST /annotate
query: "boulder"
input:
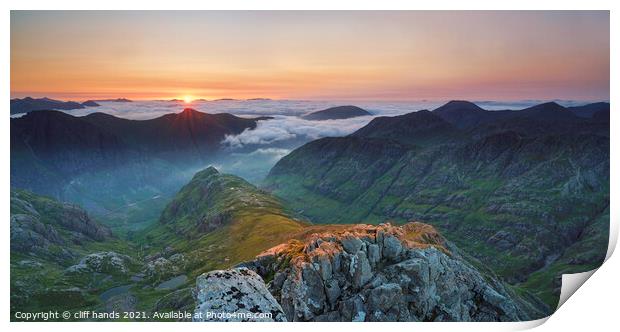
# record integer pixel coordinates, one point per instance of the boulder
(235, 295)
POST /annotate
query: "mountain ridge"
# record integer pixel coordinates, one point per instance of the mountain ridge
(29, 104)
(540, 172)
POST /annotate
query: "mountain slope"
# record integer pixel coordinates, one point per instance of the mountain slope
(514, 193)
(338, 112)
(47, 239)
(420, 127)
(588, 110)
(190, 134)
(105, 163)
(55, 146)
(217, 220)
(173, 135)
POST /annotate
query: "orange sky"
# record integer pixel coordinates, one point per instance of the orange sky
(311, 55)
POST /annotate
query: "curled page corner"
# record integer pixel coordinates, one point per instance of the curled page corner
(572, 282)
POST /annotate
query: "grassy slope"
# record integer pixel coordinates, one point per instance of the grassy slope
(456, 196)
(40, 283)
(582, 256)
(252, 221)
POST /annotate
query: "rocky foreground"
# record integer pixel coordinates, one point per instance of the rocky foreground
(357, 273)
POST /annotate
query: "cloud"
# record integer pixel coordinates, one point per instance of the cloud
(283, 128)
(274, 154)
(141, 110)
(252, 166)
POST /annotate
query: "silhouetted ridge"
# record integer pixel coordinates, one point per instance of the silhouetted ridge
(53, 144)
(459, 105)
(414, 127)
(338, 112)
(588, 111)
(550, 111)
(461, 113)
(90, 103)
(29, 104)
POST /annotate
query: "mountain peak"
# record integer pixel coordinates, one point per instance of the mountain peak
(208, 171)
(206, 174)
(338, 112)
(188, 111)
(458, 106)
(190, 114)
(548, 106)
(550, 111)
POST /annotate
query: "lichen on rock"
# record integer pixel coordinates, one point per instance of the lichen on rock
(235, 295)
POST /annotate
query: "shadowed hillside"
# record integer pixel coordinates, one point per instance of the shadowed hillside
(515, 189)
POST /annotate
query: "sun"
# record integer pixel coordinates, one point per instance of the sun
(188, 99)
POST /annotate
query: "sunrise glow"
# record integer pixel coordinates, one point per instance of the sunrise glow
(338, 55)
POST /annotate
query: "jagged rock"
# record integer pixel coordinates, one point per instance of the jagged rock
(159, 268)
(351, 244)
(381, 273)
(45, 228)
(232, 295)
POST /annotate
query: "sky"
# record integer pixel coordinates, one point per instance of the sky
(312, 55)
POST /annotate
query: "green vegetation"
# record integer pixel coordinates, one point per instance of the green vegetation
(47, 237)
(519, 203)
(219, 220)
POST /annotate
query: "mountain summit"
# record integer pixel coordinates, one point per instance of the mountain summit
(338, 112)
(461, 113)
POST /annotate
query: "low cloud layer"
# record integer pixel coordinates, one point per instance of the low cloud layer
(284, 128)
(149, 109)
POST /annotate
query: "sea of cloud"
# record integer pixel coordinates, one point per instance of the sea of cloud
(253, 152)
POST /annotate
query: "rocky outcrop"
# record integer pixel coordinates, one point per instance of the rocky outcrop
(235, 295)
(108, 262)
(43, 227)
(365, 273)
(161, 268)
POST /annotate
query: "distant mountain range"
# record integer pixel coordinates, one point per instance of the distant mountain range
(519, 190)
(29, 104)
(116, 100)
(338, 112)
(90, 103)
